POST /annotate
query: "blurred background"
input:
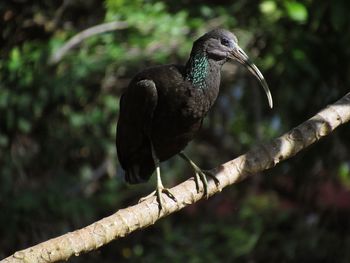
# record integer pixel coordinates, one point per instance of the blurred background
(58, 165)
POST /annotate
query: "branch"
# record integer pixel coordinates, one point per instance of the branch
(141, 215)
(89, 32)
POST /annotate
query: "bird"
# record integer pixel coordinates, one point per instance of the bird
(163, 108)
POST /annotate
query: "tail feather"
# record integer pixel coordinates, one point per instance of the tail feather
(138, 173)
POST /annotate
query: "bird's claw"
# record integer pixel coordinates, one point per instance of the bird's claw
(202, 176)
(160, 198)
(158, 195)
(212, 176)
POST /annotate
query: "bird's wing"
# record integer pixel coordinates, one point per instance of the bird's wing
(137, 105)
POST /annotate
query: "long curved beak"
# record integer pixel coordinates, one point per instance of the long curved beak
(239, 55)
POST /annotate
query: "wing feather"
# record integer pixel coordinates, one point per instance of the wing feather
(137, 106)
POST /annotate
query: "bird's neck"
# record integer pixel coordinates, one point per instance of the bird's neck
(198, 69)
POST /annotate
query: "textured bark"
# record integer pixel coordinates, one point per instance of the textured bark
(147, 213)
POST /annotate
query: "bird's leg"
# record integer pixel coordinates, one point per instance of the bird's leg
(160, 188)
(200, 174)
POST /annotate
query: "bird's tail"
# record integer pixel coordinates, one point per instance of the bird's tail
(137, 173)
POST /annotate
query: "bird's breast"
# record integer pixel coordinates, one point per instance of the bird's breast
(198, 101)
(176, 123)
(172, 135)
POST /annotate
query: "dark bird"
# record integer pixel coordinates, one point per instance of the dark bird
(163, 108)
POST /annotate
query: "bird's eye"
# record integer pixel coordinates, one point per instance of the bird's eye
(225, 42)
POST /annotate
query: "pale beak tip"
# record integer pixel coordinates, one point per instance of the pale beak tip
(266, 89)
(270, 103)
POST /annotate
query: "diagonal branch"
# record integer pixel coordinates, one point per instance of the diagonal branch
(141, 215)
(80, 37)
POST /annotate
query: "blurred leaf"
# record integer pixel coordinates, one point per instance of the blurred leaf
(270, 10)
(3, 140)
(268, 7)
(15, 59)
(24, 125)
(243, 242)
(344, 174)
(111, 103)
(296, 11)
(298, 54)
(77, 119)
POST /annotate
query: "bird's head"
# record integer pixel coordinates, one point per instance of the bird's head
(222, 45)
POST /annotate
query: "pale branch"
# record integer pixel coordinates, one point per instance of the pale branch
(146, 213)
(89, 32)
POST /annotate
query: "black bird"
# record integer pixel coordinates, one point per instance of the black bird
(163, 108)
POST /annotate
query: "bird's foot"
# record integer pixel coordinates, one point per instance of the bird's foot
(158, 194)
(160, 198)
(201, 175)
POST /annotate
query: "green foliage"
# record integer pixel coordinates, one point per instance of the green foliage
(296, 11)
(58, 164)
